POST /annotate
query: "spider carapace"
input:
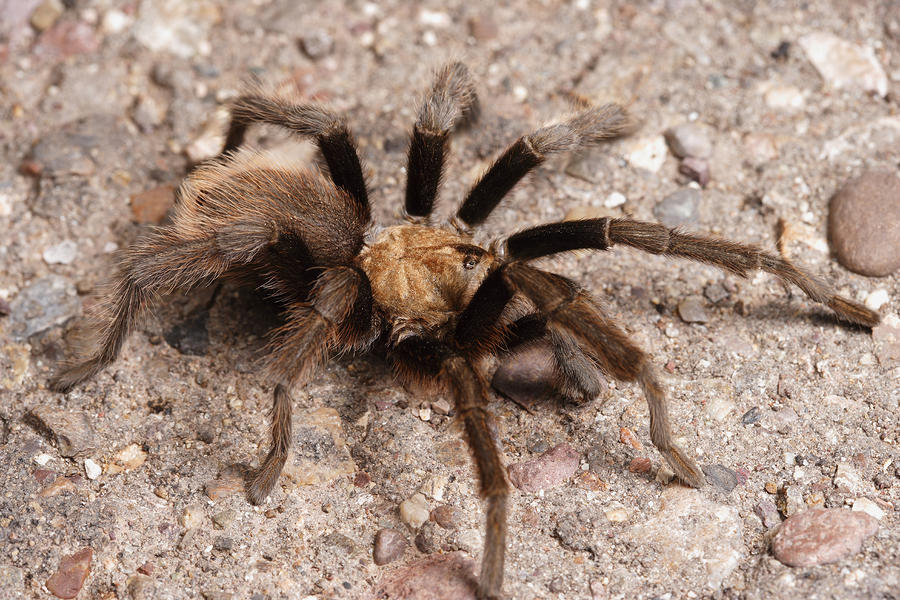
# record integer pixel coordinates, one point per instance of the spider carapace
(440, 302)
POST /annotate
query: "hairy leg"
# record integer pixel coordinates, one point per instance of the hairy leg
(656, 238)
(450, 100)
(572, 311)
(422, 357)
(337, 317)
(331, 132)
(586, 128)
(157, 264)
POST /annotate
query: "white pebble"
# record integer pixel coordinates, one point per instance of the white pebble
(115, 21)
(876, 299)
(434, 18)
(843, 64)
(62, 253)
(520, 92)
(429, 38)
(867, 506)
(414, 510)
(613, 200)
(42, 458)
(647, 153)
(92, 469)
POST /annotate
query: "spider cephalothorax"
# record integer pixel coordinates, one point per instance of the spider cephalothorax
(440, 301)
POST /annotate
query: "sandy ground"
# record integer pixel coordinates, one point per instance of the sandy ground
(104, 100)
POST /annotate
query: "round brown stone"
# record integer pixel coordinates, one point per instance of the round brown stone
(864, 224)
(821, 535)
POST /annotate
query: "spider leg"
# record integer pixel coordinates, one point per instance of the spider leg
(158, 264)
(656, 238)
(450, 100)
(338, 317)
(586, 128)
(418, 357)
(572, 313)
(330, 131)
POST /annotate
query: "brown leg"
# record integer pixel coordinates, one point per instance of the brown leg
(158, 264)
(572, 310)
(470, 396)
(337, 317)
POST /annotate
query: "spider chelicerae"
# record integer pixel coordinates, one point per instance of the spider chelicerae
(438, 302)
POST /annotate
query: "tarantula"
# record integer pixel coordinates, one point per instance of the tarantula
(439, 302)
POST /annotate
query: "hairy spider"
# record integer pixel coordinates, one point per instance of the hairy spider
(439, 302)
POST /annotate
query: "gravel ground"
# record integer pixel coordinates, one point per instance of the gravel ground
(120, 488)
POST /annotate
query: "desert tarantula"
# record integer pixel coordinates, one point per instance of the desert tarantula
(436, 300)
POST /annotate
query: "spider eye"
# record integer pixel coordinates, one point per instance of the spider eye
(469, 262)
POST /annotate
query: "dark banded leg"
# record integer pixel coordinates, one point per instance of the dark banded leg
(330, 131)
(656, 238)
(587, 128)
(451, 99)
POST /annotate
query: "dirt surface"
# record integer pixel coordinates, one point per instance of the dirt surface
(785, 407)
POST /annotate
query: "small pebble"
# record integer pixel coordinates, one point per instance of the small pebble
(426, 538)
(679, 208)
(867, 506)
(546, 471)
(627, 437)
(223, 544)
(128, 458)
(696, 169)
(441, 406)
(448, 576)
(414, 510)
(692, 310)
(317, 44)
(616, 512)
(483, 28)
(92, 469)
(646, 153)
(721, 477)
(876, 299)
(71, 430)
(63, 253)
(751, 416)
(224, 519)
(767, 513)
(790, 500)
(191, 517)
(614, 199)
(846, 479)
(883, 481)
(389, 546)
(864, 224)
(71, 574)
(146, 568)
(689, 140)
(151, 206)
(46, 14)
(843, 64)
(822, 535)
(715, 292)
(771, 487)
(640, 465)
(446, 516)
